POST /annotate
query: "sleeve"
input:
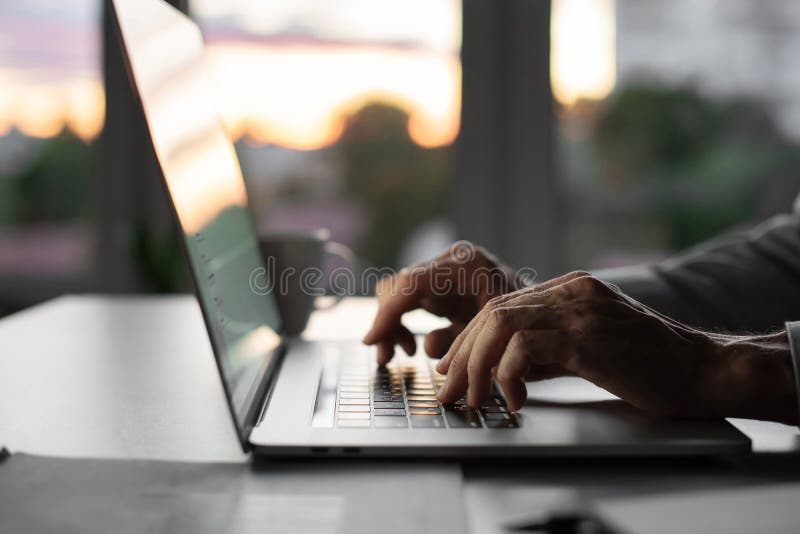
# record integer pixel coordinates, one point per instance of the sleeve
(793, 329)
(747, 282)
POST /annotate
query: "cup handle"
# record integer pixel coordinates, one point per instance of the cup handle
(332, 248)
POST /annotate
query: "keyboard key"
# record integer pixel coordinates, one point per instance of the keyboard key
(354, 423)
(353, 415)
(390, 422)
(420, 391)
(386, 391)
(346, 395)
(390, 411)
(511, 423)
(423, 404)
(427, 421)
(450, 407)
(463, 419)
(354, 402)
(386, 381)
(430, 398)
(354, 408)
(425, 411)
(387, 398)
(496, 416)
(382, 404)
(354, 389)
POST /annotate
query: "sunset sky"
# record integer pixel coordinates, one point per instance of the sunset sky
(285, 72)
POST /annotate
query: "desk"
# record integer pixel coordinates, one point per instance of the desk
(134, 377)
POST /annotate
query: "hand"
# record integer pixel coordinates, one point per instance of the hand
(456, 285)
(578, 325)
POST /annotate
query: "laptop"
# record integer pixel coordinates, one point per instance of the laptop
(296, 398)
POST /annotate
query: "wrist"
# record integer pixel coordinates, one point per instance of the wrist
(757, 378)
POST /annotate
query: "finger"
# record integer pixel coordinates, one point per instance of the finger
(493, 339)
(406, 340)
(397, 295)
(438, 341)
(385, 352)
(514, 365)
(402, 293)
(528, 350)
(552, 291)
(515, 392)
(444, 364)
(454, 364)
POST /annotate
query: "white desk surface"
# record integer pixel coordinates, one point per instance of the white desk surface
(134, 377)
(128, 377)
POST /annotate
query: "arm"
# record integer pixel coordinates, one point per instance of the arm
(578, 325)
(746, 282)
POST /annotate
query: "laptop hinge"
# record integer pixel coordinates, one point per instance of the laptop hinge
(258, 406)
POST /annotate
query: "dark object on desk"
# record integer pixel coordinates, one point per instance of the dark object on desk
(565, 524)
(42, 494)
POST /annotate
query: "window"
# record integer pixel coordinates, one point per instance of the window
(344, 113)
(699, 134)
(51, 110)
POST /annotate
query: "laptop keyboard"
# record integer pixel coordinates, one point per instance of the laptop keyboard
(403, 395)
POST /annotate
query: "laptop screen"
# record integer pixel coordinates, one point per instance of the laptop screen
(165, 52)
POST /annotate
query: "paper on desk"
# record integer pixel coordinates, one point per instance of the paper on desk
(773, 508)
(568, 390)
(41, 494)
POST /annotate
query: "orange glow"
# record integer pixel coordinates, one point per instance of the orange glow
(299, 96)
(583, 50)
(295, 96)
(85, 108)
(204, 177)
(38, 112)
(45, 109)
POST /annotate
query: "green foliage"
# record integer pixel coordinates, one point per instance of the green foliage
(160, 259)
(56, 185)
(400, 184)
(704, 162)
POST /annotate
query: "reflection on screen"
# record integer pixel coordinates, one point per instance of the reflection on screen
(165, 52)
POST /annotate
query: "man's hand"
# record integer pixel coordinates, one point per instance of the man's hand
(578, 325)
(456, 285)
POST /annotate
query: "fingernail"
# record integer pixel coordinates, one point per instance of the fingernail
(442, 390)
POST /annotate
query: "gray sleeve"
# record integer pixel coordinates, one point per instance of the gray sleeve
(793, 330)
(744, 282)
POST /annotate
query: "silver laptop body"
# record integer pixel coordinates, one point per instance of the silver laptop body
(289, 397)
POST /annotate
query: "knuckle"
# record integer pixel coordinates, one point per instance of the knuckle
(460, 337)
(588, 285)
(458, 359)
(500, 318)
(518, 342)
(579, 274)
(473, 366)
(494, 303)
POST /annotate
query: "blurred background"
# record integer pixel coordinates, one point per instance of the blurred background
(565, 134)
